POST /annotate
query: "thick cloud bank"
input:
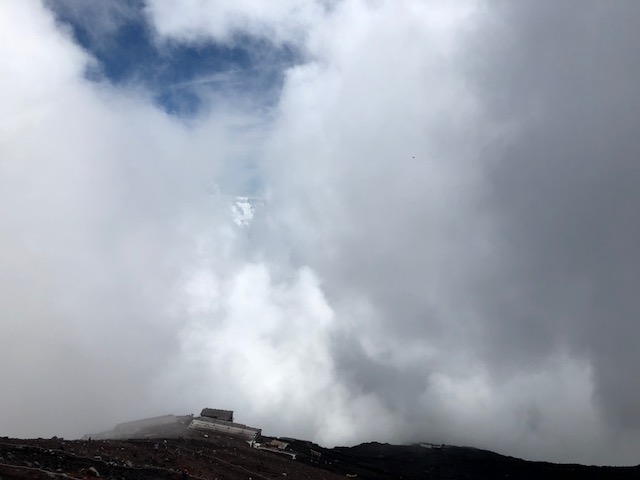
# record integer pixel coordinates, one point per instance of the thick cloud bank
(441, 243)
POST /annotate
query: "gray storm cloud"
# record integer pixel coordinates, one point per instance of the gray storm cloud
(565, 187)
(444, 249)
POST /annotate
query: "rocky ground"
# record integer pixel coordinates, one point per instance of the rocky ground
(217, 457)
(220, 456)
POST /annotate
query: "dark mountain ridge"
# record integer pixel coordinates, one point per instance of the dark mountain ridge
(216, 448)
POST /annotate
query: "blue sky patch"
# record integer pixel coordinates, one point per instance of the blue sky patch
(183, 78)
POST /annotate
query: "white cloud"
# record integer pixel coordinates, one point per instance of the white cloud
(378, 279)
(105, 18)
(196, 20)
(101, 203)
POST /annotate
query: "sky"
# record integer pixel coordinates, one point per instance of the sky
(347, 220)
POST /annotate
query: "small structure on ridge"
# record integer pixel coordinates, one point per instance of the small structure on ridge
(226, 415)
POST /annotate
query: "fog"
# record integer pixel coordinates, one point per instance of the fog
(442, 244)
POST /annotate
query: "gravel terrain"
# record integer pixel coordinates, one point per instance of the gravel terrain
(221, 456)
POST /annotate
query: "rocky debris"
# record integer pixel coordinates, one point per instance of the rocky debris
(225, 457)
(221, 456)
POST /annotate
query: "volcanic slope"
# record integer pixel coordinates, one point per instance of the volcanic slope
(216, 457)
(424, 461)
(221, 456)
